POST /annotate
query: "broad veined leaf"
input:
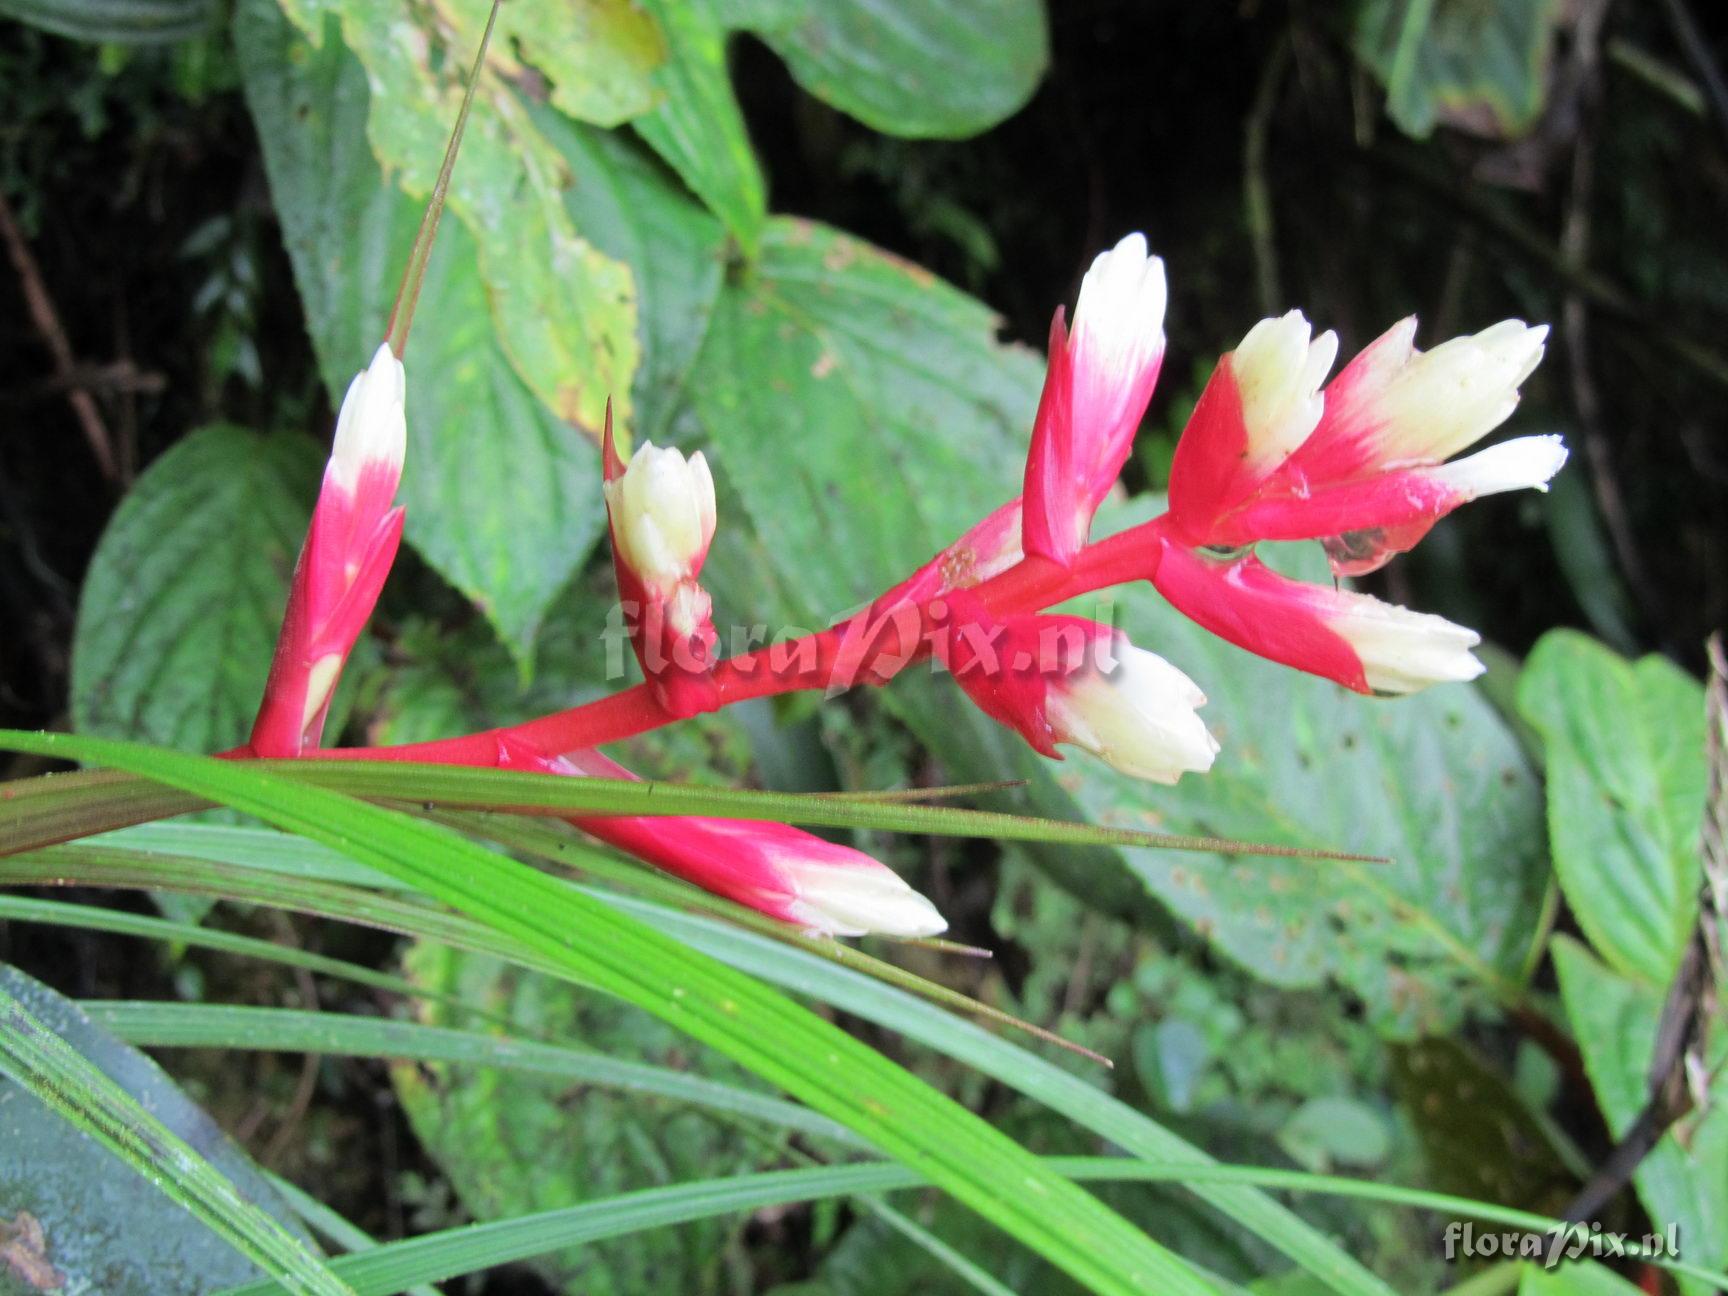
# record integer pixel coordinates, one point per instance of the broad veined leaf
(1624, 748)
(591, 942)
(905, 67)
(1435, 783)
(900, 66)
(503, 496)
(697, 126)
(632, 209)
(514, 1143)
(76, 1213)
(120, 22)
(1481, 65)
(1683, 1181)
(181, 606)
(561, 310)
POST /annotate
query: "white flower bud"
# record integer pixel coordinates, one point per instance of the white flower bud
(1136, 713)
(662, 515)
(372, 427)
(1278, 373)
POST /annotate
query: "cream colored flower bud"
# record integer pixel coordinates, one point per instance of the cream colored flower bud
(372, 427)
(1137, 713)
(1278, 373)
(662, 516)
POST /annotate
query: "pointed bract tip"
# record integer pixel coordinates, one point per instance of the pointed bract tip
(372, 426)
(1278, 370)
(663, 515)
(1401, 651)
(1518, 464)
(857, 899)
(1138, 713)
(611, 466)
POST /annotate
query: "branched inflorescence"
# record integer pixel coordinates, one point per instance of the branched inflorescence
(1272, 452)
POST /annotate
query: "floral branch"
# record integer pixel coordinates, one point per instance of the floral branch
(1272, 452)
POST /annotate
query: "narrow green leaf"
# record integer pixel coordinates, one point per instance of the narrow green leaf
(120, 22)
(332, 1226)
(52, 807)
(76, 1089)
(735, 1014)
(794, 969)
(182, 1025)
(454, 1252)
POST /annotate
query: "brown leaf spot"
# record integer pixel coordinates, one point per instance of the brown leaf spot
(24, 1248)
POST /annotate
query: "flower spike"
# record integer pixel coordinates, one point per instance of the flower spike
(349, 549)
(660, 507)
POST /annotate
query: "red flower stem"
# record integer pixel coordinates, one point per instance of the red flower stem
(808, 663)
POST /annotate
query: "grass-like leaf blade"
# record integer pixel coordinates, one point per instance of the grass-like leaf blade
(756, 1026)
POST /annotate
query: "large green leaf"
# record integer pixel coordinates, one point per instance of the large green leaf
(787, 1045)
(1478, 64)
(697, 126)
(632, 209)
(503, 495)
(909, 67)
(513, 1143)
(906, 67)
(560, 310)
(126, 22)
(81, 1120)
(183, 599)
(1684, 1180)
(1624, 747)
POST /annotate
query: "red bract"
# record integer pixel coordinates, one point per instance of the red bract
(1360, 642)
(1099, 380)
(1369, 478)
(349, 549)
(1064, 679)
(770, 867)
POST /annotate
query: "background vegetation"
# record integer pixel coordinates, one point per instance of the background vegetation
(818, 241)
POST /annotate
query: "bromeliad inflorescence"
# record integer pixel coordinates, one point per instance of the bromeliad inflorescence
(1272, 452)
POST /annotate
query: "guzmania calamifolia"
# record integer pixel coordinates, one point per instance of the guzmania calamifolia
(1362, 464)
